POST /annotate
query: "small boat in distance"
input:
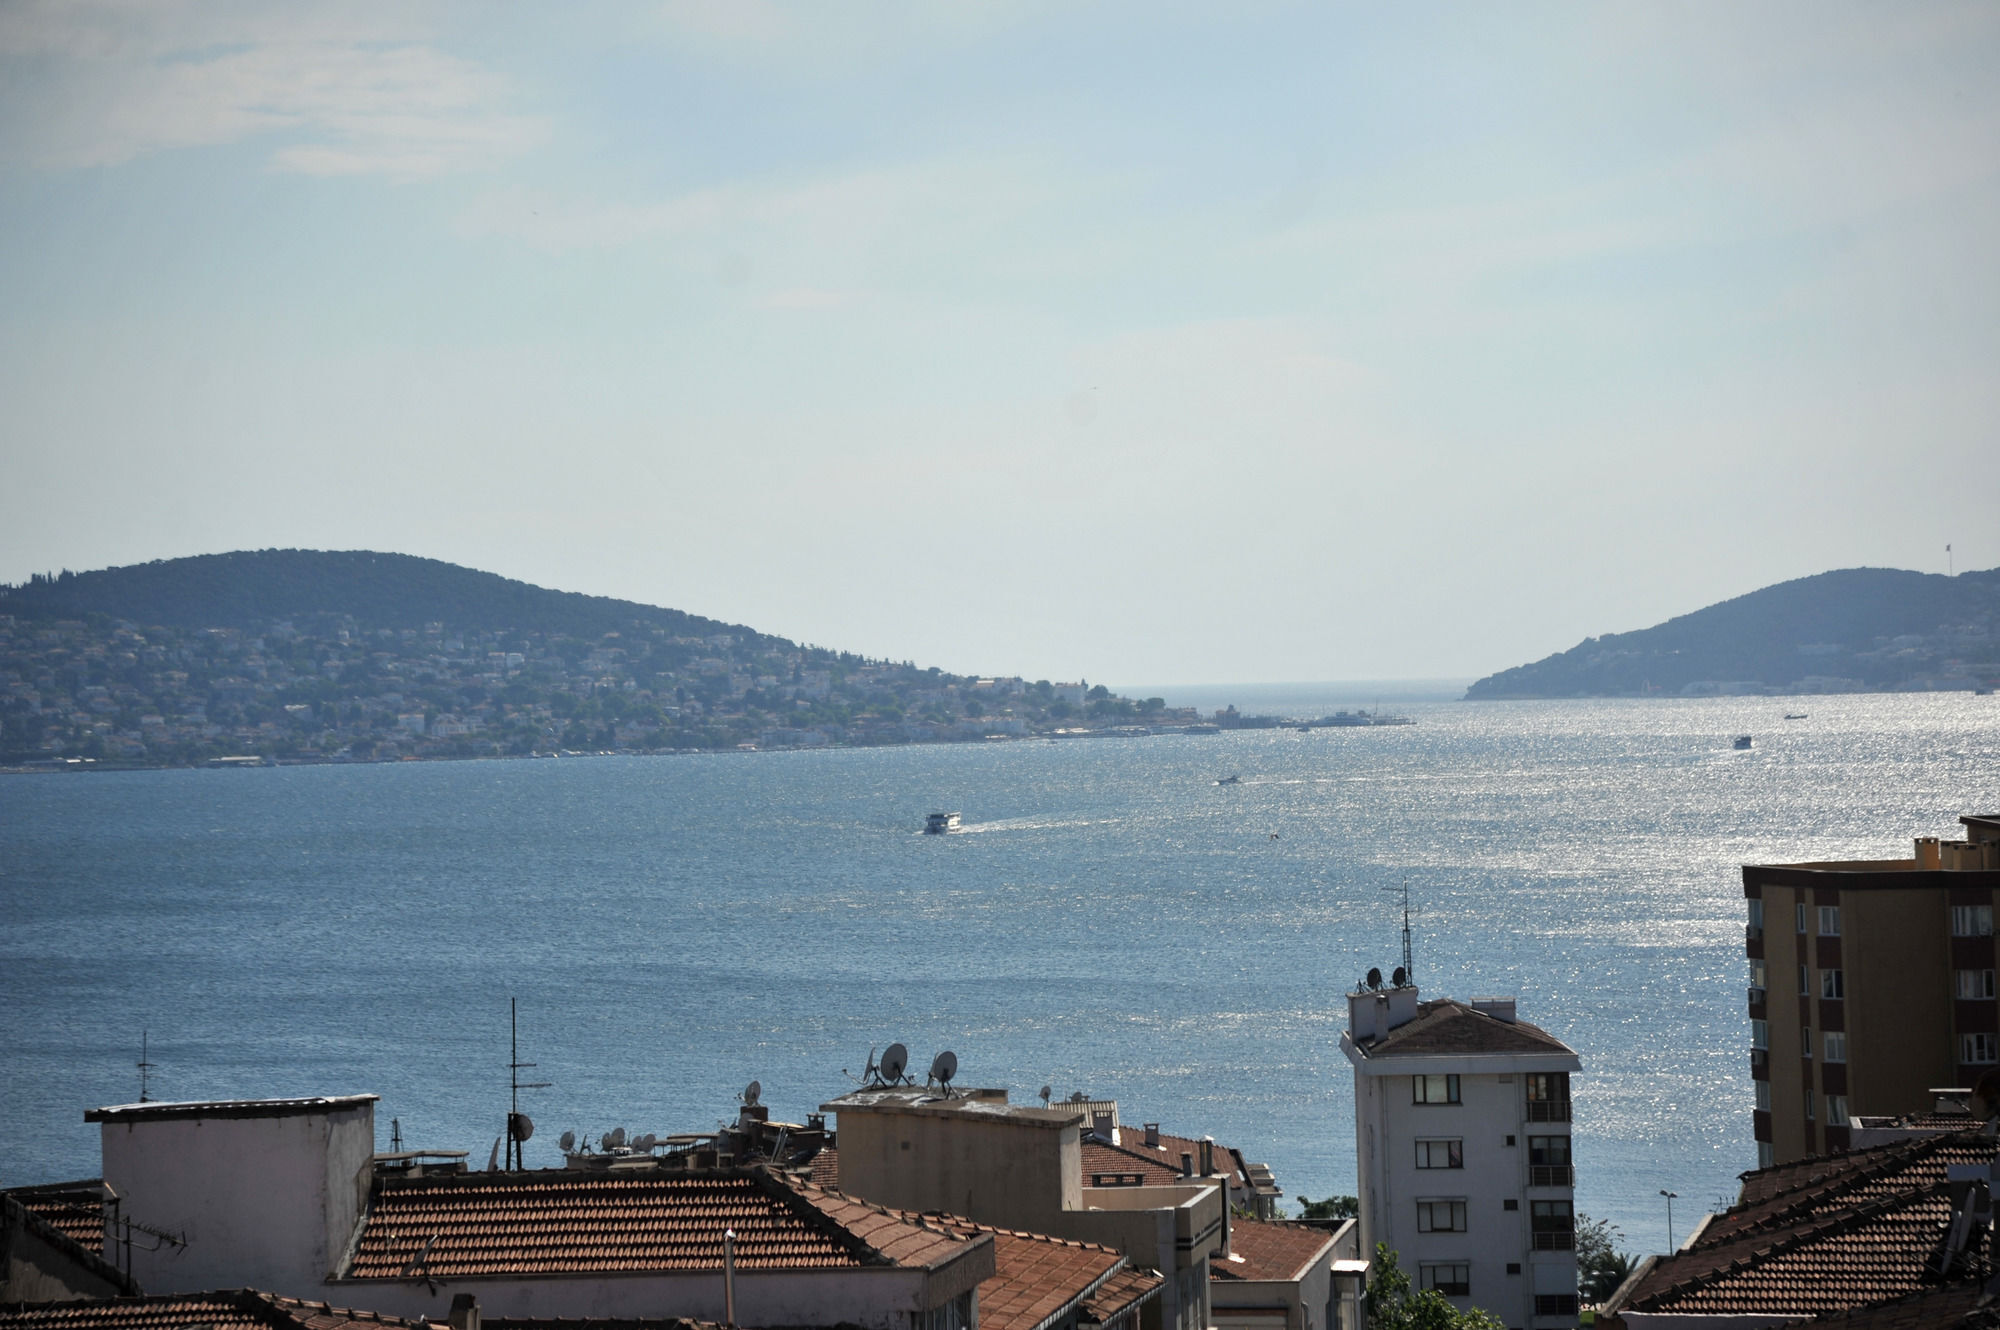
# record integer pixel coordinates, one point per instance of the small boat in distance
(1795, 715)
(1229, 780)
(937, 824)
(1742, 741)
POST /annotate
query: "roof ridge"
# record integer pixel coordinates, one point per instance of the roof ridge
(1871, 1163)
(787, 1191)
(948, 1219)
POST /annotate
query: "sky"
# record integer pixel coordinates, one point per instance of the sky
(1151, 342)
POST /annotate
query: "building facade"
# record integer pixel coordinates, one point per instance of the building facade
(1871, 984)
(1462, 1138)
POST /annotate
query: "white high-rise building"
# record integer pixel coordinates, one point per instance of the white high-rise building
(1462, 1140)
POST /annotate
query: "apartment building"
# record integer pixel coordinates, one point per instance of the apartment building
(1462, 1136)
(1871, 987)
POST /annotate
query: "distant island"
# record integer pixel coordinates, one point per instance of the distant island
(1858, 630)
(315, 656)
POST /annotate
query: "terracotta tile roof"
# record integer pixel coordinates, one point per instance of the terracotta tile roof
(1119, 1298)
(1116, 1162)
(1958, 1307)
(1819, 1236)
(594, 1323)
(1161, 1164)
(1444, 1025)
(231, 1309)
(74, 1209)
(1259, 1250)
(564, 1222)
(1036, 1279)
(826, 1168)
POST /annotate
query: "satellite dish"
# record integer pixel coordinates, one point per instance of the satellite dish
(944, 1066)
(894, 1058)
(752, 1092)
(646, 1142)
(520, 1126)
(1400, 977)
(1046, 1092)
(615, 1138)
(1374, 977)
(567, 1141)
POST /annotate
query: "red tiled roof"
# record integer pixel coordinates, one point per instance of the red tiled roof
(826, 1168)
(1036, 1279)
(1818, 1236)
(1447, 1026)
(562, 1222)
(231, 1309)
(1112, 1161)
(74, 1209)
(1958, 1307)
(1259, 1250)
(1160, 1164)
(1120, 1297)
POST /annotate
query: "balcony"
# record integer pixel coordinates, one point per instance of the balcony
(1756, 996)
(1548, 1110)
(1551, 1175)
(1754, 933)
(1565, 1241)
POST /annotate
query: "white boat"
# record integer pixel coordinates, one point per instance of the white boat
(1742, 741)
(937, 824)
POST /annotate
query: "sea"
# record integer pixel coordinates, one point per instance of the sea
(1110, 921)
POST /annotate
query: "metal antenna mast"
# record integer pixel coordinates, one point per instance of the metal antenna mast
(145, 1067)
(1409, 965)
(515, 1136)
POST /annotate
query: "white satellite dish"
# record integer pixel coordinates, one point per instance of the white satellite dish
(944, 1066)
(616, 1138)
(752, 1093)
(1047, 1090)
(894, 1059)
(567, 1141)
(645, 1143)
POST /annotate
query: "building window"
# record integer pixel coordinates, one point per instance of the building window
(1548, 1096)
(1799, 914)
(1756, 917)
(1441, 1154)
(1454, 1281)
(1764, 1154)
(1757, 974)
(1434, 1089)
(1510, 1204)
(1805, 982)
(1972, 921)
(1548, 1162)
(1836, 1046)
(1763, 1095)
(1809, 1106)
(1836, 1110)
(1975, 983)
(1975, 1048)
(1760, 1034)
(1831, 985)
(1829, 921)
(1513, 1267)
(1555, 1304)
(1805, 1042)
(1553, 1224)
(1434, 1216)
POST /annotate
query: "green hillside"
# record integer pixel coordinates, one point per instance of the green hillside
(1855, 630)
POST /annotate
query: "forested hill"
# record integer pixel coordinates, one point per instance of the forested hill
(250, 588)
(1855, 630)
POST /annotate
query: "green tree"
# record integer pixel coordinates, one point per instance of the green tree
(1393, 1305)
(1600, 1267)
(1333, 1207)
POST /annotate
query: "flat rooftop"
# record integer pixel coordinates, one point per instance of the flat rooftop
(919, 1101)
(228, 1108)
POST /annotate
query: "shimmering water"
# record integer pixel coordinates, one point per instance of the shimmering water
(1110, 920)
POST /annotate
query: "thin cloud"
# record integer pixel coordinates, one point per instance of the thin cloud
(357, 92)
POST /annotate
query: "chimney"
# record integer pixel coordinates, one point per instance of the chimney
(1153, 1135)
(1499, 1008)
(1100, 1126)
(464, 1312)
(1208, 1156)
(1187, 1164)
(1927, 852)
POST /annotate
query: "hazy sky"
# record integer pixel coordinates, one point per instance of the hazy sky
(1142, 342)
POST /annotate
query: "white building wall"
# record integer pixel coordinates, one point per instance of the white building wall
(1492, 1107)
(262, 1200)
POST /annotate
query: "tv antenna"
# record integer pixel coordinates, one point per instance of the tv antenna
(145, 1066)
(519, 1125)
(1409, 967)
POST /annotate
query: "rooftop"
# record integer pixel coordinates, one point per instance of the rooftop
(229, 1108)
(1818, 1236)
(1038, 1279)
(1265, 1251)
(560, 1222)
(1447, 1026)
(231, 1309)
(73, 1209)
(990, 1104)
